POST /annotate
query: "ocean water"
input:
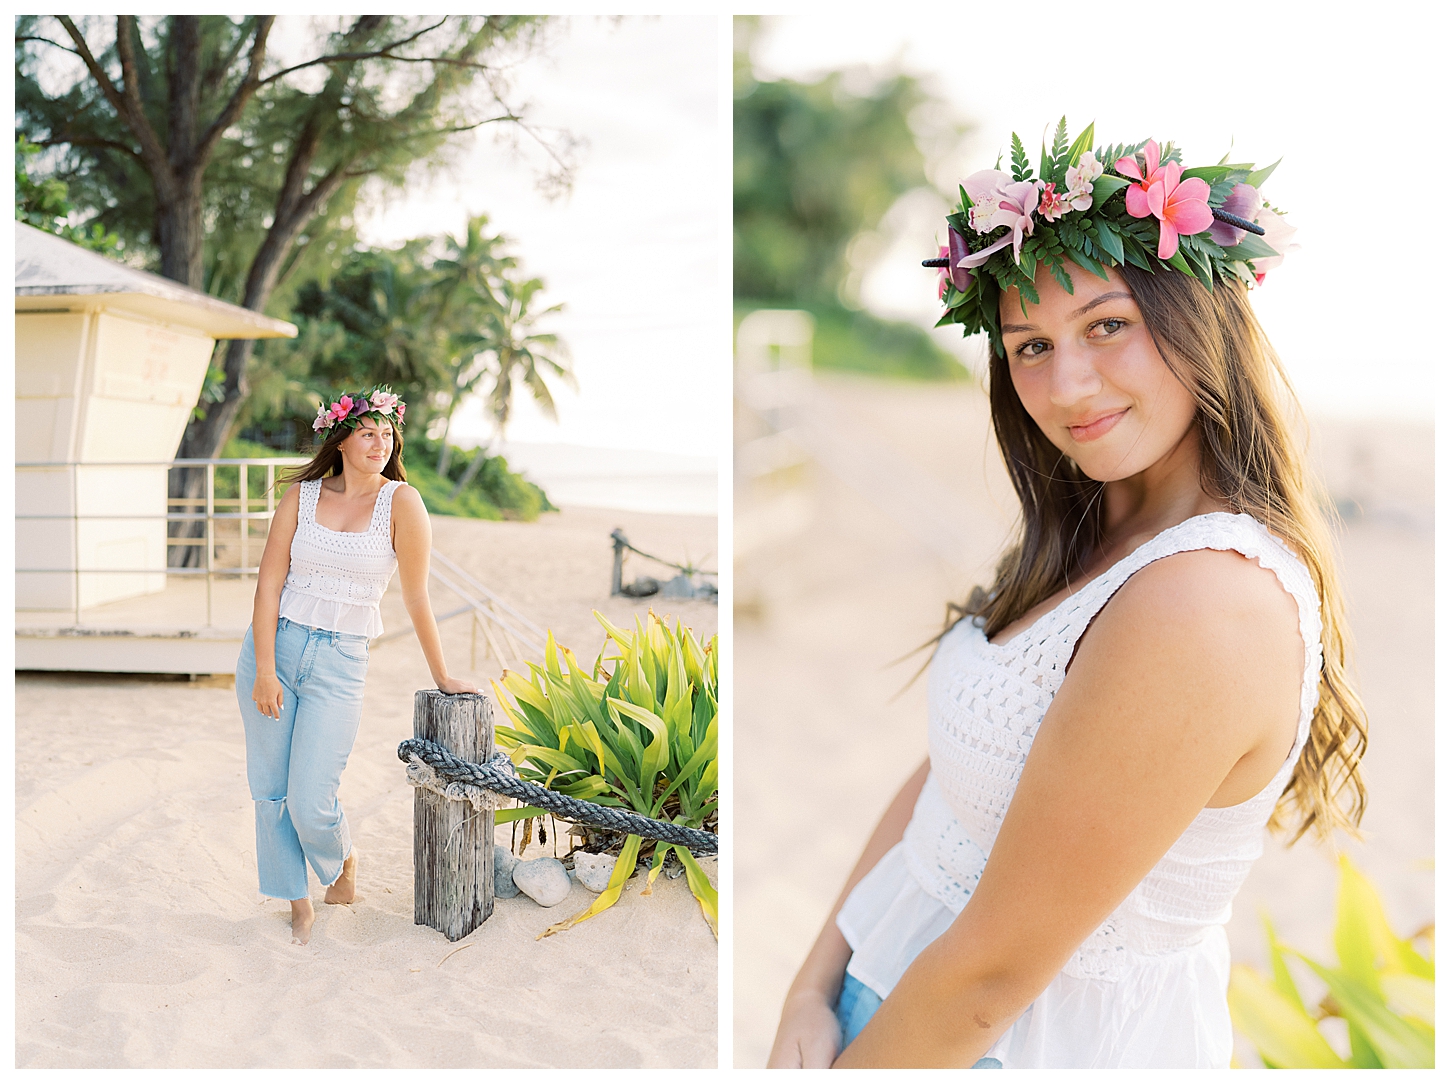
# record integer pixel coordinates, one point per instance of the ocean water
(635, 481)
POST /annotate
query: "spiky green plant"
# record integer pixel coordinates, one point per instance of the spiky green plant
(1383, 989)
(639, 732)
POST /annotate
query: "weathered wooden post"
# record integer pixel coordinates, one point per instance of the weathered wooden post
(616, 581)
(452, 843)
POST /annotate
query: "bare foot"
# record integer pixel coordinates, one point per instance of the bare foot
(302, 916)
(344, 889)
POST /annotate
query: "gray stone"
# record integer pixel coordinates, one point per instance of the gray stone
(593, 870)
(543, 880)
(503, 874)
(679, 587)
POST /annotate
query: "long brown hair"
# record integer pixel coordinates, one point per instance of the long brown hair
(327, 460)
(1212, 342)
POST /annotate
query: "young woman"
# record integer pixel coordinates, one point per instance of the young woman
(1157, 672)
(339, 531)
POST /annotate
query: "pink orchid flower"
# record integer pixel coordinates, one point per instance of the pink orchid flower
(401, 407)
(341, 407)
(1052, 205)
(322, 420)
(1242, 201)
(1080, 180)
(1277, 235)
(1016, 202)
(384, 402)
(1179, 206)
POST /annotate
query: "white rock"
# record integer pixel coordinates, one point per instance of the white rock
(543, 880)
(593, 870)
(503, 874)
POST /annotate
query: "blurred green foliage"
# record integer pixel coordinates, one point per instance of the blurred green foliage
(816, 164)
(1383, 989)
(46, 205)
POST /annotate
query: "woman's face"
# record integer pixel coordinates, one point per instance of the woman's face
(1089, 374)
(368, 447)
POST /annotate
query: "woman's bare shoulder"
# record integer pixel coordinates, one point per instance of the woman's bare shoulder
(1213, 590)
(1211, 631)
(291, 496)
(409, 500)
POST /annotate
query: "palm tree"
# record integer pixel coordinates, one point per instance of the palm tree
(518, 353)
(466, 294)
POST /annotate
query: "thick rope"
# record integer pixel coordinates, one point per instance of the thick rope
(456, 778)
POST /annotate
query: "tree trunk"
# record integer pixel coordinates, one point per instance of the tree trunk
(471, 473)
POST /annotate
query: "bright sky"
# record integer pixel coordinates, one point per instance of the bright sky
(632, 253)
(1353, 105)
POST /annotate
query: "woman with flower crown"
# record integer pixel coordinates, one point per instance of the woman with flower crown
(1157, 671)
(346, 521)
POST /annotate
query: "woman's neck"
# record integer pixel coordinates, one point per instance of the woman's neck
(1167, 493)
(352, 481)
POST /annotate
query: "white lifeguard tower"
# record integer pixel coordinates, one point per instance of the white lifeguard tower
(109, 362)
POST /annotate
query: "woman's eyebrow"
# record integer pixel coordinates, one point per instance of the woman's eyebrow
(1094, 303)
(1111, 295)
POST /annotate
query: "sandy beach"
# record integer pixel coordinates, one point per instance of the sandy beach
(833, 588)
(141, 940)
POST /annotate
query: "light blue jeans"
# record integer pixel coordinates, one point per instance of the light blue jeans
(295, 763)
(858, 1003)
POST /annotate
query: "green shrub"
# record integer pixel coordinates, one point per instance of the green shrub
(641, 735)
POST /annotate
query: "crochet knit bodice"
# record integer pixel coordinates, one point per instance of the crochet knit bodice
(986, 702)
(336, 579)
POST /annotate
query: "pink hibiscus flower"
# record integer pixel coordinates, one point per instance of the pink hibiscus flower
(1179, 206)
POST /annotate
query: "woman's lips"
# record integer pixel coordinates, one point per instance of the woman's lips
(1095, 428)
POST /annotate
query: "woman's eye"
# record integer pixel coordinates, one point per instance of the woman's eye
(1111, 325)
(1034, 349)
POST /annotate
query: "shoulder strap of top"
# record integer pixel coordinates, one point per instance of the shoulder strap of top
(383, 508)
(307, 496)
(1221, 531)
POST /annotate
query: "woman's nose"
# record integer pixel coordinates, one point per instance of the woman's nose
(1074, 377)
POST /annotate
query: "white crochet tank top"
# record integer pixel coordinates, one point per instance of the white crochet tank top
(986, 703)
(337, 578)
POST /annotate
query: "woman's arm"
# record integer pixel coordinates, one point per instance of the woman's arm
(808, 1036)
(271, 575)
(413, 543)
(1194, 665)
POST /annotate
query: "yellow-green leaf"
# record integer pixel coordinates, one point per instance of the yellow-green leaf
(1410, 995)
(703, 890)
(1399, 1043)
(657, 754)
(1282, 1031)
(623, 867)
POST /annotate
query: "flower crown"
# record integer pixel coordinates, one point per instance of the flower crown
(349, 410)
(1208, 222)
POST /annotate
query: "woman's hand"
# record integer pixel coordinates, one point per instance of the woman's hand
(267, 695)
(809, 1036)
(454, 686)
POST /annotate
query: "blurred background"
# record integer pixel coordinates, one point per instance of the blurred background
(868, 490)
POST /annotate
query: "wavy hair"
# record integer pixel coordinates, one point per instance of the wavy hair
(1213, 343)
